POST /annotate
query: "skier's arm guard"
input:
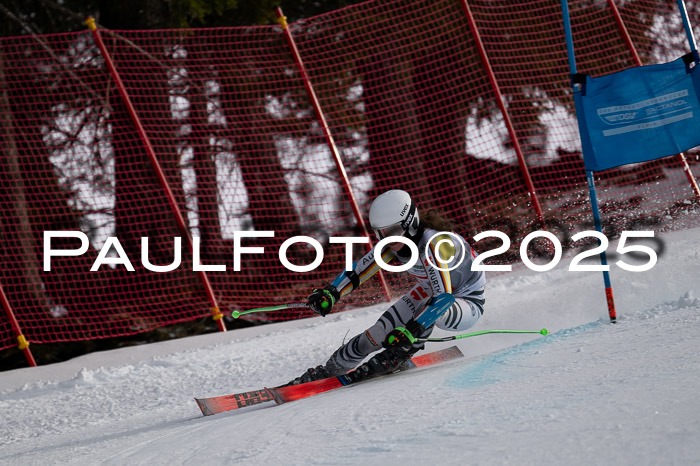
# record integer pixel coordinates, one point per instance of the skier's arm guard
(362, 270)
(403, 338)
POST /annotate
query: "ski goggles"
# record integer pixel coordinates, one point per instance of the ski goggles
(392, 230)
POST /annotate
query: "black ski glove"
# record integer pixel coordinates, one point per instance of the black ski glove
(322, 301)
(402, 338)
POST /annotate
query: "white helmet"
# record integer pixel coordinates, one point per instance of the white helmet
(392, 214)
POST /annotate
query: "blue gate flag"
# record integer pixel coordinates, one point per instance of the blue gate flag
(639, 114)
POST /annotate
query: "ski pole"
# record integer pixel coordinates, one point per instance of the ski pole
(413, 339)
(237, 314)
(544, 331)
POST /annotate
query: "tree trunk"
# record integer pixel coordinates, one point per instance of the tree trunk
(393, 140)
(213, 247)
(269, 201)
(18, 239)
(443, 132)
(142, 207)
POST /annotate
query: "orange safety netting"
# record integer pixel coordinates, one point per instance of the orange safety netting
(408, 102)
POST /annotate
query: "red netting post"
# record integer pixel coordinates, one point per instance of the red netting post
(216, 312)
(635, 56)
(22, 342)
(282, 20)
(506, 117)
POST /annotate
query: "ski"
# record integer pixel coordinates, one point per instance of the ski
(285, 393)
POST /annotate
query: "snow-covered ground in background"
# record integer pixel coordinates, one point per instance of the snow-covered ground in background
(590, 393)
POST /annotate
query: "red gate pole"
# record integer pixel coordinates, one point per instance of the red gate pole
(216, 312)
(22, 342)
(282, 20)
(635, 56)
(506, 117)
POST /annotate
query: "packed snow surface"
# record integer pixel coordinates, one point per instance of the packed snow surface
(589, 393)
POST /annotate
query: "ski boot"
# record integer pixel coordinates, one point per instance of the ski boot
(331, 369)
(386, 362)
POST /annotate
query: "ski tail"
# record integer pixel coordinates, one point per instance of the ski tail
(219, 404)
(295, 392)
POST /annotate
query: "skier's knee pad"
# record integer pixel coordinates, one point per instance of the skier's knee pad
(361, 346)
(373, 337)
(462, 315)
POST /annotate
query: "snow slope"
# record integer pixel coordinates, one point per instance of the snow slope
(591, 393)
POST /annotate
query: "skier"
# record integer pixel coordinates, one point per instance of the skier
(393, 213)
